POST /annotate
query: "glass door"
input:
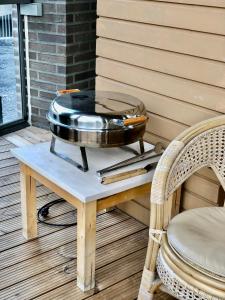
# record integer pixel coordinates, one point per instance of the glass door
(12, 74)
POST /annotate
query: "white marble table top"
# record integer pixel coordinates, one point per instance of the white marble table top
(85, 186)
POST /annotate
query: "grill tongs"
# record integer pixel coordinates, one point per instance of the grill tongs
(153, 153)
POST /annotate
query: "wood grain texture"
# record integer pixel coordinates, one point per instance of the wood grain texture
(28, 204)
(17, 140)
(185, 66)
(171, 39)
(136, 211)
(30, 135)
(45, 261)
(203, 187)
(171, 86)
(165, 14)
(209, 3)
(57, 238)
(170, 108)
(123, 196)
(86, 244)
(192, 200)
(86, 212)
(55, 173)
(46, 266)
(162, 53)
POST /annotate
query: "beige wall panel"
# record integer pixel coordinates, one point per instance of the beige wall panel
(144, 201)
(170, 108)
(209, 3)
(165, 14)
(186, 66)
(171, 55)
(163, 106)
(153, 139)
(159, 126)
(203, 187)
(177, 40)
(191, 200)
(136, 210)
(183, 89)
(208, 173)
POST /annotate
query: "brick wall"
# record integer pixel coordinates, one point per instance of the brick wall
(61, 52)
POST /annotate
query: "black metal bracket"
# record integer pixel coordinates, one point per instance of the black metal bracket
(83, 167)
(1, 113)
(14, 1)
(142, 147)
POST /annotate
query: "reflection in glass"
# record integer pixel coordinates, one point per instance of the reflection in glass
(10, 100)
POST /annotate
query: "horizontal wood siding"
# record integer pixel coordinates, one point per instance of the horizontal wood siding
(171, 15)
(180, 65)
(171, 55)
(209, 3)
(165, 38)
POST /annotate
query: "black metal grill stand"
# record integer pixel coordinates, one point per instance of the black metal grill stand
(84, 166)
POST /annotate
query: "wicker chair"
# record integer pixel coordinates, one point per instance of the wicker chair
(186, 254)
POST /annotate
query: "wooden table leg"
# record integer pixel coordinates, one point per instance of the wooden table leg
(86, 244)
(28, 204)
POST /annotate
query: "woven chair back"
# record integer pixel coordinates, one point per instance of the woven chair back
(181, 159)
(205, 150)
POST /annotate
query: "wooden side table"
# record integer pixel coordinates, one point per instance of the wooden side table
(83, 190)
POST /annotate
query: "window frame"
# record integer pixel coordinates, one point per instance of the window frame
(14, 2)
(22, 122)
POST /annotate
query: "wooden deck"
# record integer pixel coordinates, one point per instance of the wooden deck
(45, 268)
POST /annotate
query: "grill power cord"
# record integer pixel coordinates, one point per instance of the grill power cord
(43, 213)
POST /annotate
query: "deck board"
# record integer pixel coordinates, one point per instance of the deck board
(9, 170)
(45, 268)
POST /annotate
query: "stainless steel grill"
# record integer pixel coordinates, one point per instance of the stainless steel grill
(97, 119)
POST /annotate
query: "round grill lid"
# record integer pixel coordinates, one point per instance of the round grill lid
(94, 110)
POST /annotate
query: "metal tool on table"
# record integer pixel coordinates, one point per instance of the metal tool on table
(153, 153)
(128, 174)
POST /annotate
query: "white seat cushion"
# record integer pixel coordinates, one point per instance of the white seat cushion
(198, 236)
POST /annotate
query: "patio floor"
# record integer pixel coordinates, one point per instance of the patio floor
(45, 268)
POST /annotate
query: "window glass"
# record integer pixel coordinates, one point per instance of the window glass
(10, 72)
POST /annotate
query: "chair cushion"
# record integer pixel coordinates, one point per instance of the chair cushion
(198, 236)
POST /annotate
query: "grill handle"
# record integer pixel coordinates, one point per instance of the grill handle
(63, 92)
(133, 121)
